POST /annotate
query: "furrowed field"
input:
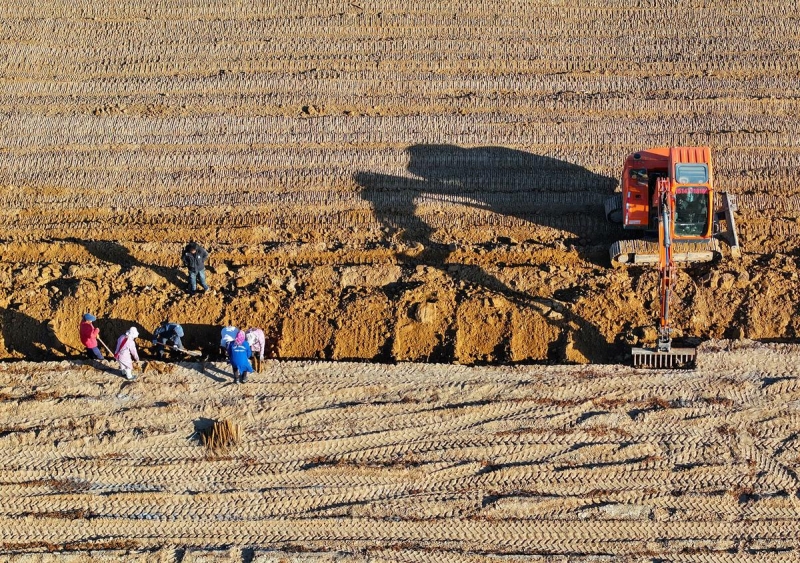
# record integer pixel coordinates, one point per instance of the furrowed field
(393, 182)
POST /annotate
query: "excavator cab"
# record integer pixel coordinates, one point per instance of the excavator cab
(692, 212)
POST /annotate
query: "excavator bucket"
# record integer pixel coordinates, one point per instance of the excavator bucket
(682, 358)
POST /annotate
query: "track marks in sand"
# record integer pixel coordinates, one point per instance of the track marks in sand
(563, 460)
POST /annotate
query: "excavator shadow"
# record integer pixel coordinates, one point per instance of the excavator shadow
(32, 339)
(503, 187)
(500, 188)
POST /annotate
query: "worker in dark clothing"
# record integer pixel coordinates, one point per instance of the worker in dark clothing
(194, 257)
(168, 334)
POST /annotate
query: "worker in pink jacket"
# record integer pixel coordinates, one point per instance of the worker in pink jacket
(126, 352)
(257, 342)
(89, 334)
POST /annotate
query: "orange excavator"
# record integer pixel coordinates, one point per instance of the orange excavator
(667, 194)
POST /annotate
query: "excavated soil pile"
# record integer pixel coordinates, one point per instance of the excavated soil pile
(375, 181)
(415, 462)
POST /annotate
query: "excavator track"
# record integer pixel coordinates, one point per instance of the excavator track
(642, 252)
(613, 207)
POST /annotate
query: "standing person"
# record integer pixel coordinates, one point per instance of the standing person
(167, 334)
(228, 335)
(126, 352)
(257, 341)
(89, 334)
(239, 353)
(194, 257)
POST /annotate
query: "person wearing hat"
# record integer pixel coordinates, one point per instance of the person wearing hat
(89, 334)
(126, 353)
(228, 334)
(167, 334)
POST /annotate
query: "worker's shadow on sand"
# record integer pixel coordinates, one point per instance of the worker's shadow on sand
(34, 340)
(535, 189)
(209, 370)
(115, 253)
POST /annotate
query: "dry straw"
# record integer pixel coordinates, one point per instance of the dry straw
(221, 436)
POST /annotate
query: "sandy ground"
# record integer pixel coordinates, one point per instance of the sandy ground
(416, 183)
(414, 462)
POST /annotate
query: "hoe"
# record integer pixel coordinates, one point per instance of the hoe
(668, 194)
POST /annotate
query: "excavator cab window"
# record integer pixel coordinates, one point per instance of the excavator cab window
(691, 211)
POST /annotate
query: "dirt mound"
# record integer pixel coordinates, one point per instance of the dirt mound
(379, 183)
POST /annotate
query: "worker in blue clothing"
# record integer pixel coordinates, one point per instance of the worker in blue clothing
(239, 353)
(167, 335)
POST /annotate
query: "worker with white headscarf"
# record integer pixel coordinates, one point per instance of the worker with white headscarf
(126, 352)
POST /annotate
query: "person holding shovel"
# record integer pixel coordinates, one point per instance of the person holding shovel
(89, 334)
(168, 335)
(126, 352)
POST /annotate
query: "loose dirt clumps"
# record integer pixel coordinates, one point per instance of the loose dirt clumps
(384, 183)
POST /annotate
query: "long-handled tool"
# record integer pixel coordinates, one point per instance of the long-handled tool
(184, 350)
(109, 349)
(106, 347)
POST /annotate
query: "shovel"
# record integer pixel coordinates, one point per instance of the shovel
(184, 350)
(106, 347)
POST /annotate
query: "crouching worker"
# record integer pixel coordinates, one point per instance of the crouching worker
(257, 342)
(126, 352)
(89, 334)
(167, 335)
(239, 353)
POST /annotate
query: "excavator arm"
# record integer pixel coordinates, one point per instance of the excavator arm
(664, 355)
(666, 262)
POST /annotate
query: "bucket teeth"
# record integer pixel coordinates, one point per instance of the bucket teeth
(676, 358)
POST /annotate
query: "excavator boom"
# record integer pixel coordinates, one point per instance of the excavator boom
(664, 355)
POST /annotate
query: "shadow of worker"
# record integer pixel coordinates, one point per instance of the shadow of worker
(25, 336)
(115, 253)
(505, 183)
